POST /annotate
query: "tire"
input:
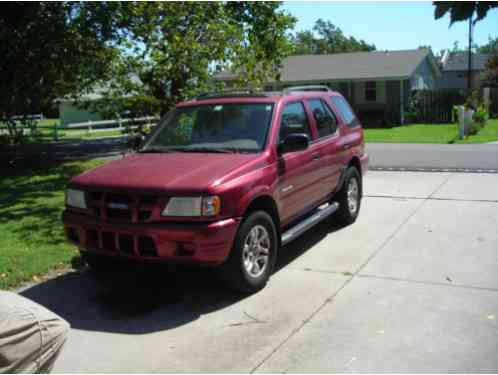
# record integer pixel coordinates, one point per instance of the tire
(246, 270)
(349, 209)
(98, 263)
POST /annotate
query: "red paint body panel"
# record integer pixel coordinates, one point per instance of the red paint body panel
(297, 182)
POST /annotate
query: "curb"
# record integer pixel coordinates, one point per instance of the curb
(451, 170)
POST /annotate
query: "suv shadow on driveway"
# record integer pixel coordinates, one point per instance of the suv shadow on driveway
(144, 300)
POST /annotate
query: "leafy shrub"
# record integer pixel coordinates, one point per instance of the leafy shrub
(475, 127)
(481, 115)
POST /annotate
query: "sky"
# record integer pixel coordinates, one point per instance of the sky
(393, 25)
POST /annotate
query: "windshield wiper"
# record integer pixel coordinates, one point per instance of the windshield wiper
(161, 150)
(219, 150)
(151, 151)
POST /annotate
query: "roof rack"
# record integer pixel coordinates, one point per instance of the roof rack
(231, 94)
(291, 89)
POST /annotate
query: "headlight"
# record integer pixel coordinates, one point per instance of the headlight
(192, 206)
(75, 198)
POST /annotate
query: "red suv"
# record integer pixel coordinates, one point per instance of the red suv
(225, 179)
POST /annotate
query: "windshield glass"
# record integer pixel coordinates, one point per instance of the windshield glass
(213, 128)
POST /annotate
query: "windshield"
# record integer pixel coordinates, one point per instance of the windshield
(213, 128)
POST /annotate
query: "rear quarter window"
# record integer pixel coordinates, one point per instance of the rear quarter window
(344, 110)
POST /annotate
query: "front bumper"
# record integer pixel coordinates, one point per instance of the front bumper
(207, 243)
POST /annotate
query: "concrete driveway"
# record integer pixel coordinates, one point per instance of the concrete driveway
(411, 286)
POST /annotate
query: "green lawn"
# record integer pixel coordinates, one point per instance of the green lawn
(430, 133)
(31, 233)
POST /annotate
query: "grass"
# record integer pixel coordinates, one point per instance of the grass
(32, 241)
(430, 133)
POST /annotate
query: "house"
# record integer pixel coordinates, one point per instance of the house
(377, 84)
(72, 111)
(455, 70)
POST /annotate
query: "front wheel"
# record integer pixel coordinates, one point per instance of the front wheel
(253, 254)
(349, 197)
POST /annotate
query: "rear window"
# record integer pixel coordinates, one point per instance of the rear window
(344, 109)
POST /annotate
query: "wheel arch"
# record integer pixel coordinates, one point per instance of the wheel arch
(267, 204)
(356, 163)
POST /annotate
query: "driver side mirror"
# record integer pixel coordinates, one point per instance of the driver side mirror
(294, 142)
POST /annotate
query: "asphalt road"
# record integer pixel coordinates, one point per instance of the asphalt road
(410, 287)
(382, 155)
(69, 150)
(434, 156)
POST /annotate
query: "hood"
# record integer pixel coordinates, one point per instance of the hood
(173, 172)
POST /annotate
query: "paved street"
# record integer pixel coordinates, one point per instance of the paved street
(411, 286)
(434, 156)
(382, 155)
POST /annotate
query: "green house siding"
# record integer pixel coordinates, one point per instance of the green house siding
(70, 113)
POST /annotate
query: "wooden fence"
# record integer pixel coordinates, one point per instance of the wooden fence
(436, 106)
(91, 126)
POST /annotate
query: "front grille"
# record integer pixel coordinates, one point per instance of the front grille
(147, 247)
(126, 243)
(116, 214)
(108, 241)
(121, 207)
(121, 242)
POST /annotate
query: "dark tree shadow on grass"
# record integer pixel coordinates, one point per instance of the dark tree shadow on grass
(27, 199)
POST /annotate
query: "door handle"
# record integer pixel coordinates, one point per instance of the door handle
(315, 156)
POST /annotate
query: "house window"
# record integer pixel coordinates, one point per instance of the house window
(371, 91)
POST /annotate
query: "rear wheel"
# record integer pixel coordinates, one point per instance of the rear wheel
(253, 254)
(349, 197)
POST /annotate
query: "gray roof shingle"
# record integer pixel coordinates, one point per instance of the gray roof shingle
(347, 66)
(460, 61)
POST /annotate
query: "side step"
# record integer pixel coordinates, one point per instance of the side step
(303, 226)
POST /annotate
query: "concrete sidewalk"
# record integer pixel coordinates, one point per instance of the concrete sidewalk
(411, 286)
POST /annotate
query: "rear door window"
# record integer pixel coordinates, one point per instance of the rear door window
(294, 121)
(344, 109)
(325, 120)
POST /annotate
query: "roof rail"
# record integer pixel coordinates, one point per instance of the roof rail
(231, 94)
(291, 89)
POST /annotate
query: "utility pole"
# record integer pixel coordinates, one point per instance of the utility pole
(469, 81)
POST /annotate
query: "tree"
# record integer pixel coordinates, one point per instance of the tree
(490, 47)
(491, 73)
(329, 39)
(50, 50)
(463, 10)
(172, 50)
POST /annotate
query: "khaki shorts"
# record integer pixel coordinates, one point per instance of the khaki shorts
(31, 337)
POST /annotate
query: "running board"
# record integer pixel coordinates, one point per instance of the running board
(303, 226)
